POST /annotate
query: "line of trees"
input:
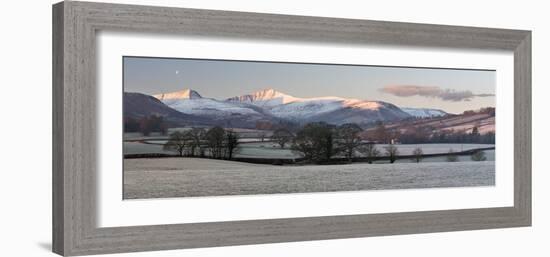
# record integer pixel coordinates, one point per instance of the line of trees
(146, 125)
(426, 135)
(215, 142)
(316, 142)
(282, 137)
(319, 142)
(487, 110)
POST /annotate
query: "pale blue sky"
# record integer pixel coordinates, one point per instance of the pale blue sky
(451, 90)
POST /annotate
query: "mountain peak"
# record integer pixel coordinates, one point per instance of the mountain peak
(268, 93)
(182, 94)
(267, 96)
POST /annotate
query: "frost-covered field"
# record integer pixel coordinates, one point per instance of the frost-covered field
(407, 149)
(489, 154)
(184, 177)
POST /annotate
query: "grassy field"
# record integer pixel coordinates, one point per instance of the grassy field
(190, 177)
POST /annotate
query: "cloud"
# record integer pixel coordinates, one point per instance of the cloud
(431, 91)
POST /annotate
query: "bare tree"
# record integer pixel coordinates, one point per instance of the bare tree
(381, 133)
(262, 136)
(370, 151)
(478, 156)
(131, 125)
(417, 154)
(475, 135)
(197, 137)
(231, 143)
(215, 141)
(176, 142)
(315, 142)
(349, 139)
(145, 126)
(152, 123)
(391, 152)
(452, 157)
(282, 137)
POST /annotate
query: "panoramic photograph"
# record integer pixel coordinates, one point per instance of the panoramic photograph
(201, 127)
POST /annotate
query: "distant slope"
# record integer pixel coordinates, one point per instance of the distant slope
(361, 112)
(485, 122)
(423, 112)
(137, 105)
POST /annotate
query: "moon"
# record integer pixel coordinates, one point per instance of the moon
(177, 72)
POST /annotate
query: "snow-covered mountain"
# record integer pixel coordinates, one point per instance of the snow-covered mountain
(424, 112)
(273, 106)
(334, 110)
(178, 95)
(265, 98)
(189, 101)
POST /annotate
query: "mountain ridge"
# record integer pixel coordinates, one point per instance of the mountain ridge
(263, 95)
(272, 105)
(329, 108)
(182, 94)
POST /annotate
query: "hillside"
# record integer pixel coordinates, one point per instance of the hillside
(485, 123)
(424, 112)
(137, 106)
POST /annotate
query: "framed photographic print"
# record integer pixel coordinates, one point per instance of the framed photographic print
(183, 128)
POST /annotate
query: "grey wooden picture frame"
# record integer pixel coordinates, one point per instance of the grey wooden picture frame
(75, 25)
